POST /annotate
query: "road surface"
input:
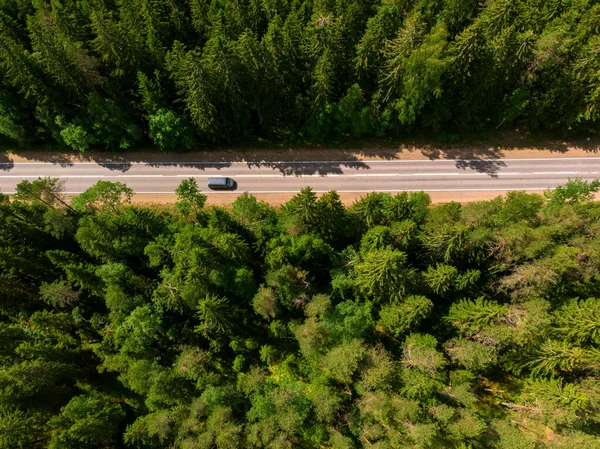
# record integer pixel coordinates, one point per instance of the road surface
(356, 176)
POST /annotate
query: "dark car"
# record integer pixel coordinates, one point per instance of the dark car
(221, 184)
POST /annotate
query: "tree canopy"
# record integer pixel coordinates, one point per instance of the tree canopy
(174, 74)
(387, 324)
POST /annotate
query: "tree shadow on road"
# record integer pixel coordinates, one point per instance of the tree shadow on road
(318, 166)
(123, 167)
(287, 168)
(481, 157)
(484, 160)
(6, 164)
(311, 168)
(487, 166)
(288, 161)
(197, 165)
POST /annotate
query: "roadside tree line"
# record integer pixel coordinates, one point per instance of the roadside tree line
(390, 323)
(176, 74)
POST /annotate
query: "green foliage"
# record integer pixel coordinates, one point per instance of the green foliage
(170, 132)
(369, 211)
(343, 361)
(472, 355)
(214, 312)
(11, 118)
(91, 420)
(189, 197)
(398, 318)
(76, 137)
(420, 354)
(265, 302)
(520, 206)
(579, 321)
(384, 275)
(138, 331)
(103, 194)
(302, 211)
(176, 74)
(106, 124)
(387, 324)
(47, 191)
(575, 191)
(441, 278)
(472, 316)
(352, 116)
(59, 294)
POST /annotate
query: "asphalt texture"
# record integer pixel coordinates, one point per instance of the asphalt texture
(461, 175)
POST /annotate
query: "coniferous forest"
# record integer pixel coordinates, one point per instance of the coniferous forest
(390, 323)
(175, 74)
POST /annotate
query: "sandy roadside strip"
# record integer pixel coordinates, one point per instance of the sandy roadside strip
(550, 149)
(276, 199)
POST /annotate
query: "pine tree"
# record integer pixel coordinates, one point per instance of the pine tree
(19, 67)
(579, 321)
(64, 60)
(190, 198)
(384, 275)
(119, 50)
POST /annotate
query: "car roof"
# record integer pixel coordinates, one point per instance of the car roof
(217, 180)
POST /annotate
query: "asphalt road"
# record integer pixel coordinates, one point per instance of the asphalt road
(466, 175)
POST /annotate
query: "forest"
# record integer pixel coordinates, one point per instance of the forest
(390, 323)
(183, 74)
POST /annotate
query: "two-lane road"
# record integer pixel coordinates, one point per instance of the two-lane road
(466, 175)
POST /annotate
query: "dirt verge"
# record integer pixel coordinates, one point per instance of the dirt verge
(506, 147)
(276, 199)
